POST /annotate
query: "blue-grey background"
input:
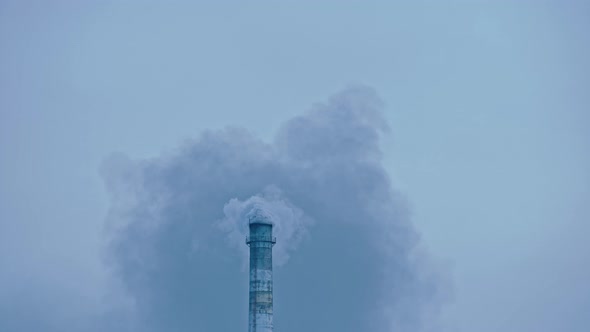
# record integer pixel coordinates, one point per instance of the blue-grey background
(488, 105)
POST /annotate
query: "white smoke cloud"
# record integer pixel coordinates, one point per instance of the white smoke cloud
(289, 222)
(181, 222)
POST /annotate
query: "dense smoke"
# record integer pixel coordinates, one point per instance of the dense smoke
(289, 222)
(178, 223)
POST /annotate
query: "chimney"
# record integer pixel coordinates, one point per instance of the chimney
(260, 242)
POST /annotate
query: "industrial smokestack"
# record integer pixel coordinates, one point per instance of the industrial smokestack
(261, 242)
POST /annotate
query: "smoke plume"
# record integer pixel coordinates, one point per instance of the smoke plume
(289, 222)
(346, 252)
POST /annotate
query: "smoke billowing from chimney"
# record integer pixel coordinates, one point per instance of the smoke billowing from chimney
(179, 221)
(289, 222)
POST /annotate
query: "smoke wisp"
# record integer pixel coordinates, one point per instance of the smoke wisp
(289, 222)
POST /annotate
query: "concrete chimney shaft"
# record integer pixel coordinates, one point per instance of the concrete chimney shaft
(261, 242)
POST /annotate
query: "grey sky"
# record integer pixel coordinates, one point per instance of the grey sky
(487, 103)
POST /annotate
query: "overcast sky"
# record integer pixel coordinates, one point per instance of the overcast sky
(488, 105)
